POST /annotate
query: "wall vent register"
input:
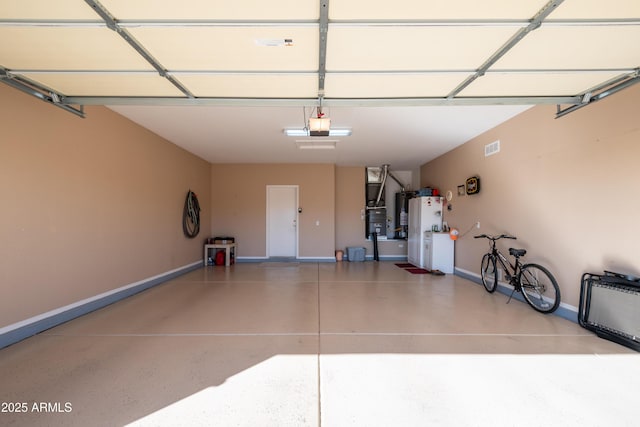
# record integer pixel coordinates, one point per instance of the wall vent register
(492, 148)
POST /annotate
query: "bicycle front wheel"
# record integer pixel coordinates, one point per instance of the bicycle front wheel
(488, 272)
(539, 288)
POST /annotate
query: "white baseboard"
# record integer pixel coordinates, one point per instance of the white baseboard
(20, 330)
(566, 311)
(317, 258)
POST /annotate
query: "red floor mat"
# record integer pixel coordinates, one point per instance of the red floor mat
(406, 265)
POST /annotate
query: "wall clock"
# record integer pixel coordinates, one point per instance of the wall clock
(473, 185)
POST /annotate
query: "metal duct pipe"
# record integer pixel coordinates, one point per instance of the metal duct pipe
(398, 181)
(385, 172)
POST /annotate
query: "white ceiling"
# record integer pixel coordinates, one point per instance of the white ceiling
(411, 78)
(404, 137)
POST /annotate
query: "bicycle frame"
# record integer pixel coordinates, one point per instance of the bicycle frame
(511, 270)
(513, 275)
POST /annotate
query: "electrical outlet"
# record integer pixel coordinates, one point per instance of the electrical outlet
(477, 224)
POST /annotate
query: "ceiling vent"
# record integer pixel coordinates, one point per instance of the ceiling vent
(327, 144)
(491, 149)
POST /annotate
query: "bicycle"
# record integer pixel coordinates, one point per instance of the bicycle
(538, 286)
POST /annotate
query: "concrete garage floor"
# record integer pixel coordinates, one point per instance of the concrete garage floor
(344, 344)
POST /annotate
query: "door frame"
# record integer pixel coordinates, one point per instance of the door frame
(297, 238)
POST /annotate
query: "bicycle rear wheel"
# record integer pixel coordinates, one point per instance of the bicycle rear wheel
(539, 288)
(488, 272)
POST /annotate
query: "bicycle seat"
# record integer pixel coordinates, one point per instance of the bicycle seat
(517, 252)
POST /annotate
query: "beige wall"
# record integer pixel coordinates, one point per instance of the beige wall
(329, 194)
(350, 200)
(567, 188)
(87, 205)
(238, 209)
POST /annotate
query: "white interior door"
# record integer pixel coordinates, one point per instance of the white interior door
(282, 220)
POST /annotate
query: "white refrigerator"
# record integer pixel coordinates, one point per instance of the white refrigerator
(424, 214)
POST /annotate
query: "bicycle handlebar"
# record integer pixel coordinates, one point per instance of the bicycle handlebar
(494, 238)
